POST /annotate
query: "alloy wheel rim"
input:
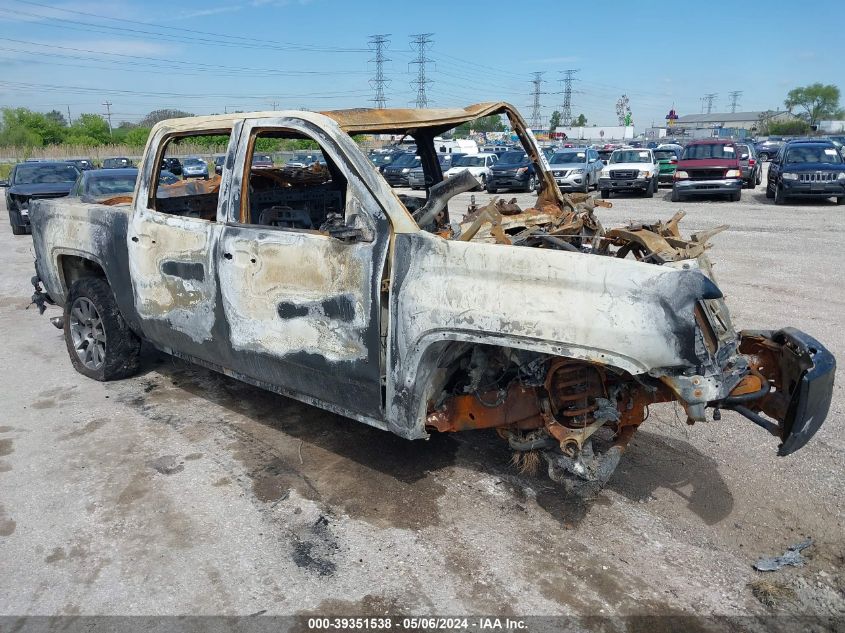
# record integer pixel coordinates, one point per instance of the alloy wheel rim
(88, 333)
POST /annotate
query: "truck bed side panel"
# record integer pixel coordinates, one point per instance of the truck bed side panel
(92, 231)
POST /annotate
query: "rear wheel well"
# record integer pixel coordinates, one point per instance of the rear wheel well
(75, 267)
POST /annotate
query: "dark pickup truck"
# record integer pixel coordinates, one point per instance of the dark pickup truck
(708, 167)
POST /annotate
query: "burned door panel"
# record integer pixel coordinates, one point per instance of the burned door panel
(173, 273)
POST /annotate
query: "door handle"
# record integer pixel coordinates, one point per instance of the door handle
(227, 255)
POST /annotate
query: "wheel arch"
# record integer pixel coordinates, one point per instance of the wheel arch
(425, 370)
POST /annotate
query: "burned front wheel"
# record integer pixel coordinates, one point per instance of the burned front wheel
(100, 343)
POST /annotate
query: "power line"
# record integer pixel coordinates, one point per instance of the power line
(536, 109)
(735, 95)
(708, 99)
(218, 38)
(566, 110)
(379, 43)
(421, 40)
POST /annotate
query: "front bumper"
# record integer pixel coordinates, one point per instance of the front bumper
(813, 189)
(396, 180)
(801, 372)
(705, 187)
(666, 177)
(508, 181)
(616, 184)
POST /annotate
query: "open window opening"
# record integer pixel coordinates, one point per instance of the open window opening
(186, 183)
(303, 190)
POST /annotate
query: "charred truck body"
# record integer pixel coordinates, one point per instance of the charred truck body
(322, 284)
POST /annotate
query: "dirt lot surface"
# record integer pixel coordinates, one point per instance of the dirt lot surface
(182, 491)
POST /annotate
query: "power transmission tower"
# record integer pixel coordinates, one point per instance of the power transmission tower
(378, 43)
(536, 108)
(108, 105)
(708, 100)
(566, 110)
(623, 110)
(735, 95)
(421, 40)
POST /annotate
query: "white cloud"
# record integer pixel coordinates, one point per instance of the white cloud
(200, 13)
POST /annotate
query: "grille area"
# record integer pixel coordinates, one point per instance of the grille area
(560, 173)
(624, 173)
(706, 174)
(819, 177)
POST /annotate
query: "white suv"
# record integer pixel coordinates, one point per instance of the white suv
(630, 169)
(477, 164)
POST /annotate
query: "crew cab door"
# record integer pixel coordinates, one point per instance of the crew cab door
(303, 308)
(171, 240)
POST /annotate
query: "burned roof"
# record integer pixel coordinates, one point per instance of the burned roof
(357, 120)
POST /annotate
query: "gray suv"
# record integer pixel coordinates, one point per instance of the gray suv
(576, 169)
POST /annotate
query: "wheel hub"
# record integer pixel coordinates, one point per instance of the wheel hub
(88, 333)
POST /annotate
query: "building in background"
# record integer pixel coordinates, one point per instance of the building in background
(724, 124)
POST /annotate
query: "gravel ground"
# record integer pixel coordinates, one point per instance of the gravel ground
(181, 491)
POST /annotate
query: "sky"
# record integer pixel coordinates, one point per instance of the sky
(225, 55)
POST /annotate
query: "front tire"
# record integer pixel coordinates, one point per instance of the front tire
(100, 344)
(605, 194)
(840, 200)
(649, 191)
(736, 196)
(676, 197)
(780, 196)
(531, 185)
(769, 192)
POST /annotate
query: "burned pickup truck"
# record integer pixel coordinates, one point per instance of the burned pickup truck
(322, 284)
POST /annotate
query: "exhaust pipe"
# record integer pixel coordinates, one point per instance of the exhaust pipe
(58, 321)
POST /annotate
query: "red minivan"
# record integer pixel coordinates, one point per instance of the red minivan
(708, 167)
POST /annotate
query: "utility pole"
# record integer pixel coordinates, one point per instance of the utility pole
(708, 99)
(735, 95)
(536, 108)
(69, 122)
(378, 43)
(421, 40)
(566, 110)
(108, 105)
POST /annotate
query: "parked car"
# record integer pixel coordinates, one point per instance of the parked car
(396, 173)
(556, 339)
(304, 160)
(667, 162)
(752, 168)
(707, 167)
(417, 178)
(576, 169)
(631, 169)
(513, 171)
(34, 180)
(382, 159)
(479, 165)
(807, 169)
(118, 162)
(265, 161)
(218, 164)
(173, 165)
(194, 167)
(604, 154)
(101, 184)
(82, 164)
(768, 149)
